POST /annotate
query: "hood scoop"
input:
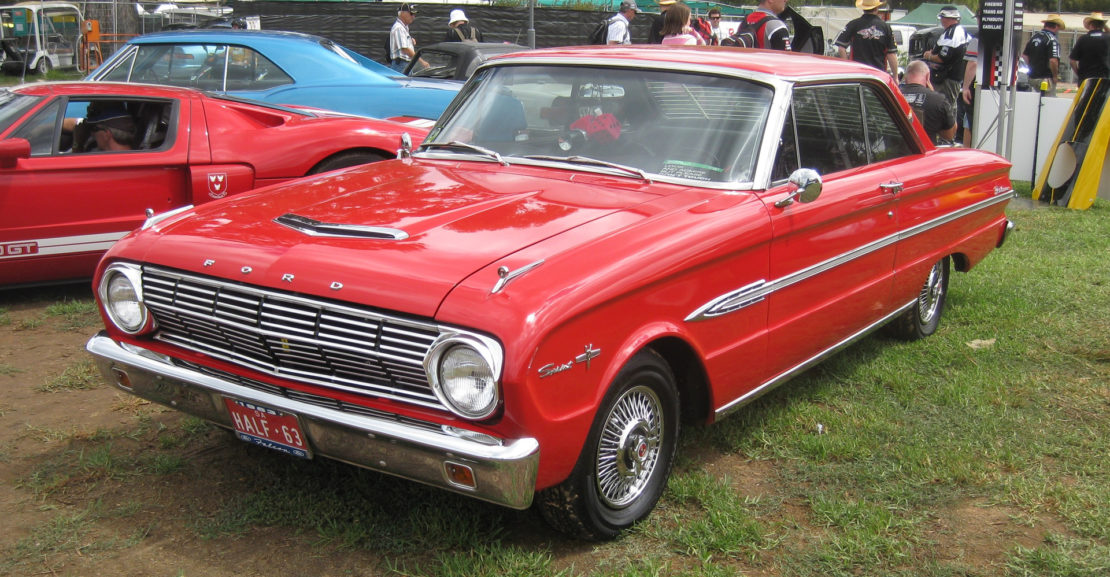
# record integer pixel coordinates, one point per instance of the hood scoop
(314, 227)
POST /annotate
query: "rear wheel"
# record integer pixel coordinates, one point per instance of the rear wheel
(923, 318)
(43, 66)
(345, 159)
(626, 462)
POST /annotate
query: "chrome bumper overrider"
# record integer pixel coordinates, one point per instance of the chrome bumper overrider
(504, 470)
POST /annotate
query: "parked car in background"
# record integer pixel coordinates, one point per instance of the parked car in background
(62, 205)
(455, 60)
(277, 67)
(39, 37)
(593, 246)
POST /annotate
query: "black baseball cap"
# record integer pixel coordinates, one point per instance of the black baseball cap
(406, 7)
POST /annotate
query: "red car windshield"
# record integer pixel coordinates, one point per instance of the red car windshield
(680, 125)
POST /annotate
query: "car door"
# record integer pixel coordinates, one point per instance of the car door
(832, 259)
(61, 209)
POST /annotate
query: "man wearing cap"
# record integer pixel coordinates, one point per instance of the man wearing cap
(870, 38)
(1089, 54)
(459, 28)
(947, 57)
(620, 25)
(655, 34)
(107, 127)
(1042, 54)
(402, 49)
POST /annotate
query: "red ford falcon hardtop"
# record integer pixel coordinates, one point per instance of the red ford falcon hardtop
(591, 247)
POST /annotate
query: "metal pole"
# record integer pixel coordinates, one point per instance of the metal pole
(532, 24)
(1005, 100)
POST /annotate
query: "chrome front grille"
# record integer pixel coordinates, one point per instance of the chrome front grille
(301, 339)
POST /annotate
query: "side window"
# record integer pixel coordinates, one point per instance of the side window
(787, 160)
(249, 70)
(845, 126)
(100, 125)
(42, 131)
(883, 130)
(121, 72)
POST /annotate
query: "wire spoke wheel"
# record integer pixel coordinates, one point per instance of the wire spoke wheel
(629, 448)
(928, 301)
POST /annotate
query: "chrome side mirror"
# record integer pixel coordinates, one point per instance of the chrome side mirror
(808, 183)
(406, 147)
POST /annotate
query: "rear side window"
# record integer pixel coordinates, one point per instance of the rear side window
(218, 67)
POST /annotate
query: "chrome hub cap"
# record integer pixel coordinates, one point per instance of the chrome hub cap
(929, 300)
(629, 447)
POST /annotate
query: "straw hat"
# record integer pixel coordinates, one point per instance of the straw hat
(1094, 17)
(1055, 20)
(868, 4)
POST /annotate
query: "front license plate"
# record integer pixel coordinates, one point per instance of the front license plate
(268, 428)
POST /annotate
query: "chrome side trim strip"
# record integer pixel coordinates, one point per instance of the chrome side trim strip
(752, 296)
(730, 302)
(805, 365)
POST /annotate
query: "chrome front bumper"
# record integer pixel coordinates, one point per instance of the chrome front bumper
(504, 470)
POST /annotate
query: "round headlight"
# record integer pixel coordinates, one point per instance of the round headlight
(465, 379)
(120, 296)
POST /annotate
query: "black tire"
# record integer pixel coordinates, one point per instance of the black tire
(624, 467)
(43, 66)
(345, 159)
(923, 318)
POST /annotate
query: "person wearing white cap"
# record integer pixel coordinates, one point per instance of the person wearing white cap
(459, 28)
(1042, 54)
(946, 59)
(870, 38)
(1089, 54)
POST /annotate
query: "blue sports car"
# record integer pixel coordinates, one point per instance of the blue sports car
(277, 67)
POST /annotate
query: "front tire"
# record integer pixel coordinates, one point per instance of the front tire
(624, 467)
(43, 66)
(923, 318)
(345, 159)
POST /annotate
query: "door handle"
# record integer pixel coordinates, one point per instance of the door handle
(891, 187)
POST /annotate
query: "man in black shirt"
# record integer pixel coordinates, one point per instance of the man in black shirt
(655, 33)
(1042, 54)
(870, 39)
(946, 59)
(930, 106)
(1089, 55)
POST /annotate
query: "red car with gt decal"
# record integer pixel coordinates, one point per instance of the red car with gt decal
(62, 205)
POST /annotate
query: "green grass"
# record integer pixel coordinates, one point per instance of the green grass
(76, 315)
(78, 377)
(890, 459)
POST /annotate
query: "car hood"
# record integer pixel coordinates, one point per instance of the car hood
(400, 236)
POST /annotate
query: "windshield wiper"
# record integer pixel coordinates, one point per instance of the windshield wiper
(592, 162)
(474, 148)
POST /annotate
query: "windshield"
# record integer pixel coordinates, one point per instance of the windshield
(13, 106)
(669, 124)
